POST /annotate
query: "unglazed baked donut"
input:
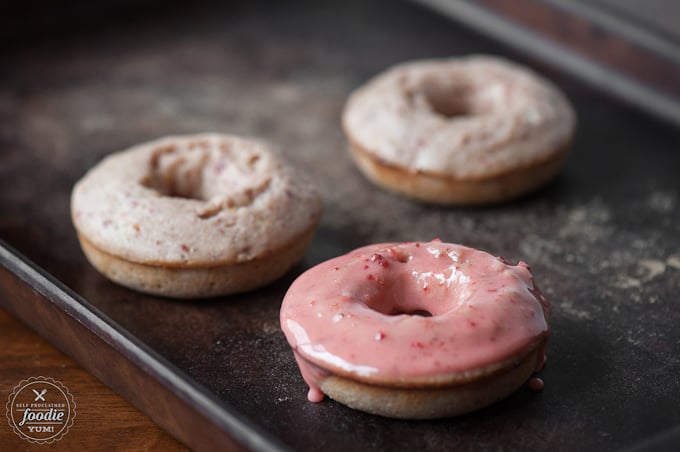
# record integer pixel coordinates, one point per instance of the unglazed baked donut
(194, 216)
(416, 330)
(459, 131)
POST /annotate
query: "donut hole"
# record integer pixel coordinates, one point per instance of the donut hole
(185, 183)
(391, 304)
(430, 288)
(418, 312)
(178, 171)
(448, 107)
(208, 171)
(450, 100)
(404, 298)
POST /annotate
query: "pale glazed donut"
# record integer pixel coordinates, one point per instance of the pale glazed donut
(459, 131)
(360, 333)
(194, 216)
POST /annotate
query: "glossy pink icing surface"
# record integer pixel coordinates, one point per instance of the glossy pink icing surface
(361, 314)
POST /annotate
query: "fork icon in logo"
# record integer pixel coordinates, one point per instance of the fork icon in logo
(39, 395)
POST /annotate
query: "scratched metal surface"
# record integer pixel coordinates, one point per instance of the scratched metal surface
(603, 239)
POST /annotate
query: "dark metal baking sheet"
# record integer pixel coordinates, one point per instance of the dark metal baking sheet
(603, 239)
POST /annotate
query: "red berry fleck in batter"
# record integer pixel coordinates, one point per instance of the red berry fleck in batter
(380, 259)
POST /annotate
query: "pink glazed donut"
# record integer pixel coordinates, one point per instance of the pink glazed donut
(416, 330)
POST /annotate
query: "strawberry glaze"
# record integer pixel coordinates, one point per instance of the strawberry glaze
(409, 313)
